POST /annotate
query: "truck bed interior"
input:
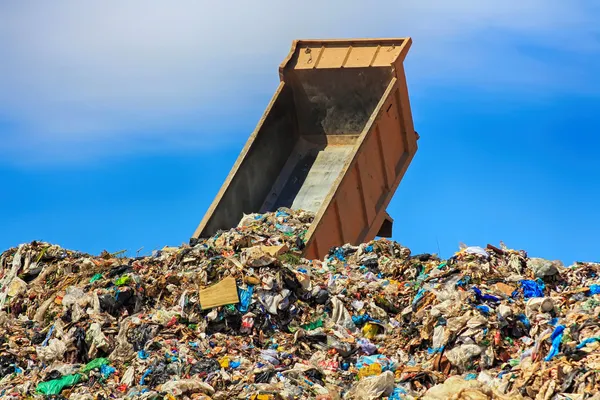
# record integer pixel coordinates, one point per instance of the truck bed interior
(303, 142)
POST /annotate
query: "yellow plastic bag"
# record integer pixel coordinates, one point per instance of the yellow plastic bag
(224, 362)
(370, 330)
(369, 370)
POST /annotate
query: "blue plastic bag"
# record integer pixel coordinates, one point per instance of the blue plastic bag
(245, 298)
(360, 319)
(144, 376)
(386, 363)
(594, 289)
(397, 394)
(279, 214)
(585, 342)
(532, 288)
(418, 296)
(556, 337)
(107, 370)
(432, 351)
(484, 297)
(484, 309)
(524, 320)
(339, 254)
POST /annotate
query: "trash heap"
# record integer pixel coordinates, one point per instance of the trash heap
(243, 315)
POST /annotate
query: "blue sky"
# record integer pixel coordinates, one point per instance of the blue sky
(120, 120)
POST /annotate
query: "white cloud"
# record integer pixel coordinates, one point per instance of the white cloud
(81, 80)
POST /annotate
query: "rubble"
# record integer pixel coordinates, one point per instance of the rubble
(243, 315)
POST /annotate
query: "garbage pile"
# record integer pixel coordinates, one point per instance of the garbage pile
(242, 315)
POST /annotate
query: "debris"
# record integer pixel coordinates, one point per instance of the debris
(243, 315)
(220, 294)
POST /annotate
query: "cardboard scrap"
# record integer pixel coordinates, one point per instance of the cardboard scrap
(220, 294)
(275, 251)
(256, 257)
(504, 288)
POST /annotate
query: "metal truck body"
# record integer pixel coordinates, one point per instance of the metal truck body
(335, 139)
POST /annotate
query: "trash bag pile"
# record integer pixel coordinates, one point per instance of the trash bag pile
(242, 315)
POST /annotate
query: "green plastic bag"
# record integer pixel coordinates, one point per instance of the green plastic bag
(56, 386)
(95, 278)
(313, 325)
(124, 280)
(96, 363)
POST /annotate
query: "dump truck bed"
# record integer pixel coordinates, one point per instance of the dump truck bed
(336, 139)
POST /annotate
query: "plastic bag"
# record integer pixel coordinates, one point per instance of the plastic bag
(461, 356)
(372, 387)
(538, 304)
(369, 370)
(17, 287)
(366, 346)
(96, 336)
(94, 364)
(594, 289)
(476, 250)
(340, 315)
(439, 338)
(187, 386)
(456, 387)
(129, 376)
(542, 268)
(207, 365)
(247, 323)
(484, 297)
(556, 338)
(370, 330)
(54, 351)
(532, 288)
(245, 296)
(57, 385)
(384, 363)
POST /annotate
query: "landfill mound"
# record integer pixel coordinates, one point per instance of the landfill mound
(243, 315)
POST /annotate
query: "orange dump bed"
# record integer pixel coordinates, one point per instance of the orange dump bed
(336, 139)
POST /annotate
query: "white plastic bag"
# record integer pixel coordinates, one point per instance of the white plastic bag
(372, 387)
